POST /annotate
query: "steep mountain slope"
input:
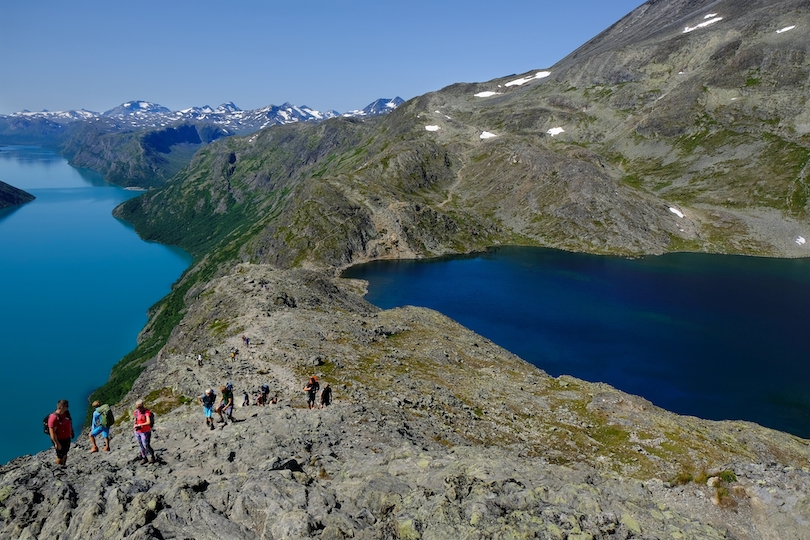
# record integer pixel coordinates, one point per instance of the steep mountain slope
(436, 432)
(655, 136)
(142, 158)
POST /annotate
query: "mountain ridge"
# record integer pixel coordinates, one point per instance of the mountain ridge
(435, 431)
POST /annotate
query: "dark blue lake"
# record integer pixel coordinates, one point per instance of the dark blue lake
(715, 336)
(75, 286)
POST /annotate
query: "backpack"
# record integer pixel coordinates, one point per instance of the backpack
(107, 418)
(47, 430)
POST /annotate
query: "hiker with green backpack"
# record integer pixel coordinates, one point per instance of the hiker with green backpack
(103, 420)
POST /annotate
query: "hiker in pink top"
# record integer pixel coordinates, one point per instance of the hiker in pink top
(60, 429)
(143, 431)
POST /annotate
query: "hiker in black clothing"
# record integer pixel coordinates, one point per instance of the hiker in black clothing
(261, 399)
(326, 395)
(225, 403)
(207, 400)
(312, 391)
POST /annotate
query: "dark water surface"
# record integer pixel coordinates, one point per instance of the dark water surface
(75, 285)
(715, 336)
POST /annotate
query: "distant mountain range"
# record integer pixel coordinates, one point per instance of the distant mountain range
(235, 121)
(143, 144)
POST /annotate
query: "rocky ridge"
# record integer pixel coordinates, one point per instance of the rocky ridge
(435, 432)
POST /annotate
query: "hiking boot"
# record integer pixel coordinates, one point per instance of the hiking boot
(211, 427)
(152, 459)
(144, 461)
(106, 448)
(94, 449)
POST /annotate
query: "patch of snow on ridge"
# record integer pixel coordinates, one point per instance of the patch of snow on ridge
(710, 15)
(432, 128)
(524, 80)
(555, 131)
(676, 211)
(702, 25)
(801, 241)
(785, 29)
(487, 135)
(488, 93)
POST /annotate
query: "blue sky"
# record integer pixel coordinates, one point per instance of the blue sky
(327, 54)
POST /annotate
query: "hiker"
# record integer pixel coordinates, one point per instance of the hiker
(100, 425)
(199, 360)
(262, 397)
(312, 391)
(143, 431)
(60, 429)
(326, 395)
(226, 403)
(246, 400)
(207, 400)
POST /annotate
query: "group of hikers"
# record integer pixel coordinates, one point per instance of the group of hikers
(59, 425)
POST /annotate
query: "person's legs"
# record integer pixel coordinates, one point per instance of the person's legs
(148, 444)
(61, 454)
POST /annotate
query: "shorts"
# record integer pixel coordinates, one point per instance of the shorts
(209, 411)
(228, 410)
(100, 430)
(65, 447)
(311, 398)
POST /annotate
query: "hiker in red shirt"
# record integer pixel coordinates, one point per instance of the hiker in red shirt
(143, 432)
(60, 428)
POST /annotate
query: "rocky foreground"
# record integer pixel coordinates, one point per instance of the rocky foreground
(435, 432)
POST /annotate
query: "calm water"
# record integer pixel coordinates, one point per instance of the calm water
(719, 337)
(75, 285)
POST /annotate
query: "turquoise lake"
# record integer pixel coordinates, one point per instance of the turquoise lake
(75, 285)
(715, 336)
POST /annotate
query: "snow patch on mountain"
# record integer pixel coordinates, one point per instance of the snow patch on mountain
(704, 24)
(524, 80)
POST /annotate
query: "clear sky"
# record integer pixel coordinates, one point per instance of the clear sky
(326, 54)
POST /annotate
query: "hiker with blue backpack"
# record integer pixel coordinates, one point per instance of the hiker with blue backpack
(103, 420)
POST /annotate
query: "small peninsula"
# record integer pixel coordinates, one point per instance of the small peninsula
(11, 196)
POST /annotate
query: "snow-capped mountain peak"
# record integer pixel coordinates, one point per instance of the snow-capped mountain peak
(144, 114)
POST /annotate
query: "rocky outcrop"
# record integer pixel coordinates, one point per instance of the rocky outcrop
(435, 432)
(12, 196)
